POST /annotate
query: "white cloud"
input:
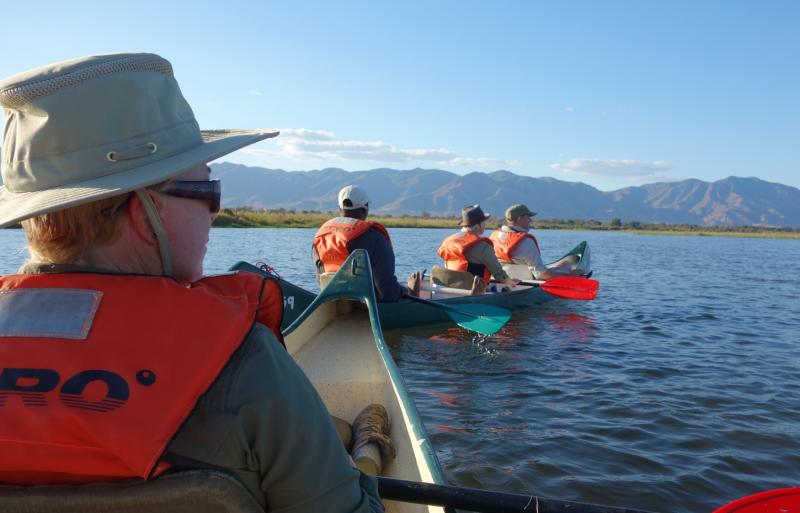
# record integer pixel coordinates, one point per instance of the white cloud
(306, 134)
(626, 168)
(308, 144)
(569, 108)
(481, 161)
(254, 92)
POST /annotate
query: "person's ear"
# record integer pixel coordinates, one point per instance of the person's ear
(137, 217)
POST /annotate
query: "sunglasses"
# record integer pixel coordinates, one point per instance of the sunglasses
(206, 190)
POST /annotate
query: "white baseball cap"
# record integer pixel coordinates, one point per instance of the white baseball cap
(352, 197)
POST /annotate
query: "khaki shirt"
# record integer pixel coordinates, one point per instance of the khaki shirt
(263, 422)
(483, 253)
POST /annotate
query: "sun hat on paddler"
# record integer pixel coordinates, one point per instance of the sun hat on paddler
(473, 215)
(82, 130)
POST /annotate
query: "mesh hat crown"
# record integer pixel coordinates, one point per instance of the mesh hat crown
(90, 128)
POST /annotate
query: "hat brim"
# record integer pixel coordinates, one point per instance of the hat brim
(365, 205)
(485, 217)
(528, 213)
(18, 206)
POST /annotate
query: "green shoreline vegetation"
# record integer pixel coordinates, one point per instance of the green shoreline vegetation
(281, 218)
(246, 217)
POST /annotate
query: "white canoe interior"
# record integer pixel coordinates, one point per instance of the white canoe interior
(522, 272)
(430, 290)
(336, 349)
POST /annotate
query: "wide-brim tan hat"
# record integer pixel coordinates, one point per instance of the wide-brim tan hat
(95, 127)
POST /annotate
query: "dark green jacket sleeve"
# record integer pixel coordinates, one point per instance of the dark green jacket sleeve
(263, 422)
(381, 258)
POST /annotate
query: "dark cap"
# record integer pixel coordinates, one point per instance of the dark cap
(473, 215)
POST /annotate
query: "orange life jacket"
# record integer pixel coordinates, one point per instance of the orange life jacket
(452, 252)
(505, 242)
(333, 237)
(95, 386)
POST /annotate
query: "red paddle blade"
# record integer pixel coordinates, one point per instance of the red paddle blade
(572, 287)
(783, 500)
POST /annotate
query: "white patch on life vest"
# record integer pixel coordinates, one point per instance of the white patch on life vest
(48, 313)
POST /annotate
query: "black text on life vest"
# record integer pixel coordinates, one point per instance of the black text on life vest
(32, 386)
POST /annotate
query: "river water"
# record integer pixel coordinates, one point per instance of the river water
(677, 389)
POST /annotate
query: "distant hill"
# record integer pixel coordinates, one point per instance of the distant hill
(733, 201)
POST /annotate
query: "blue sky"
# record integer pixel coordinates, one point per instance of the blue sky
(611, 93)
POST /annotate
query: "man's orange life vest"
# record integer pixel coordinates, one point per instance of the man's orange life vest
(96, 383)
(452, 252)
(506, 240)
(333, 237)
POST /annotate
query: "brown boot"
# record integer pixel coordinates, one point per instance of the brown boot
(372, 445)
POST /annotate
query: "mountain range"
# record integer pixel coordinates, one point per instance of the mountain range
(733, 201)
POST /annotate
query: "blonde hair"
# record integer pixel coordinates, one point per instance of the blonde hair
(62, 237)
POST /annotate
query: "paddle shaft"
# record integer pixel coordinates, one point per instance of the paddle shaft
(529, 282)
(567, 287)
(440, 306)
(483, 501)
(446, 290)
(532, 283)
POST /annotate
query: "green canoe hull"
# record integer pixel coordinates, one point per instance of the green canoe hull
(407, 313)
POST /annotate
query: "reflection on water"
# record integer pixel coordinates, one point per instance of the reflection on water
(676, 390)
(574, 328)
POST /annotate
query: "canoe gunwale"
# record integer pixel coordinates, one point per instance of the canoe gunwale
(353, 282)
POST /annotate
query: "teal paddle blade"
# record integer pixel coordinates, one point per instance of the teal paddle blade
(486, 320)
